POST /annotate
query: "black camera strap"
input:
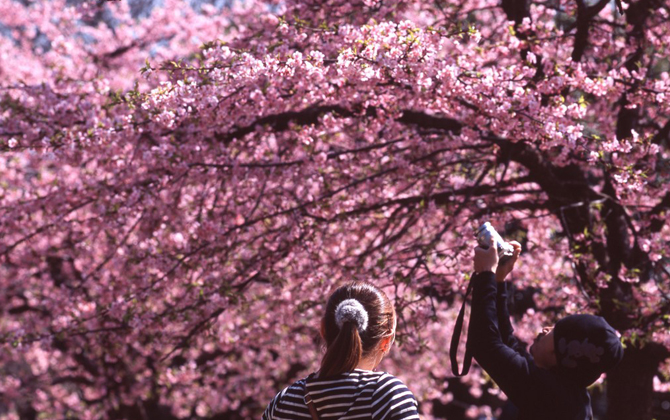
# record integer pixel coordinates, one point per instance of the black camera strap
(456, 338)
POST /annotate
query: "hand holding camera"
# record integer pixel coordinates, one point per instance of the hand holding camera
(505, 268)
(486, 259)
(493, 253)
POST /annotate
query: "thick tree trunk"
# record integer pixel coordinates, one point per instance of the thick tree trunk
(630, 385)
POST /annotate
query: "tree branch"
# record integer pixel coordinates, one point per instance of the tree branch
(311, 115)
(585, 15)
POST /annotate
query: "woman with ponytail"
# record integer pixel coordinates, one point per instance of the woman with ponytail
(359, 329)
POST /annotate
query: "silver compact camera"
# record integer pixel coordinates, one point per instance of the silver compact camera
(484, 235)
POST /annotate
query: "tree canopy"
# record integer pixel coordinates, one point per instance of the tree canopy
(182, 189)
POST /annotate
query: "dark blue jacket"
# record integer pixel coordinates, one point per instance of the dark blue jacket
(539, 394)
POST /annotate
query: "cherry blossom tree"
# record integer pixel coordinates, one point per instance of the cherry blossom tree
(181, 190)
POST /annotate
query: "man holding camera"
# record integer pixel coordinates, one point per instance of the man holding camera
(549, 383)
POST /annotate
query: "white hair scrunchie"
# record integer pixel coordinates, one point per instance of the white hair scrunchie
(351, 310)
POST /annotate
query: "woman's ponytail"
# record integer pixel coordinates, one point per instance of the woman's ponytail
(357, 316)
(344, 354)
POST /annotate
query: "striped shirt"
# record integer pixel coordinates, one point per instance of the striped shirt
(361, 394)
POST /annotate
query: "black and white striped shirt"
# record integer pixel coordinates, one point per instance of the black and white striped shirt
(361, 394)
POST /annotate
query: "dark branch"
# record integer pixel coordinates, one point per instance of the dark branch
(311, 115)
(282, 122)
(428, 121)
(585, 15)
(663, 135)
(516, 10)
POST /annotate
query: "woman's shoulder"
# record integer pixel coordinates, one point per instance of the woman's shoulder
(393, 399)
(387, 380)
(292, 396)
(296, 389)
(357, 377)
(382, 383)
